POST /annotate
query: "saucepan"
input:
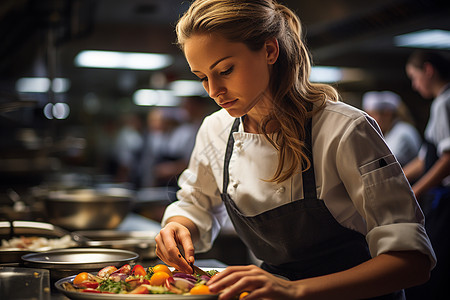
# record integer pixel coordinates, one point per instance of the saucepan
(88, 209)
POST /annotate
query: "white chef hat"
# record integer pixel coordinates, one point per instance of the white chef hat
(383, 100)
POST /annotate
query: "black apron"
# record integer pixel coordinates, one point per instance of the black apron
(300, 239)
(436, 207)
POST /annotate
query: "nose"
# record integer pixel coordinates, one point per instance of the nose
(215, 88)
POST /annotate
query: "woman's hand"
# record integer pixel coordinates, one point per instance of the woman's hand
(170, 240)
(260, 284)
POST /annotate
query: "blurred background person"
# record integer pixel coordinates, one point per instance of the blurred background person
(127, 145)
(167, 149)
(401, 136)
(430, 76)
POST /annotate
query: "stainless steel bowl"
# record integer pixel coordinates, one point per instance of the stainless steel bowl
(88, 209)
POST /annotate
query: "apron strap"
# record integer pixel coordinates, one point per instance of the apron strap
(228, 153)
(309, 178)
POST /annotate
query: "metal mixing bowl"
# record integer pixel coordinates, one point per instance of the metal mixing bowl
(86, 209)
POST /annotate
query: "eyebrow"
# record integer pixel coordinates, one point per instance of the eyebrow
(214, 64)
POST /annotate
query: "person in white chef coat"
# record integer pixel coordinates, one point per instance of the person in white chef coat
(401, 136)
(307, 181)
(430, 76)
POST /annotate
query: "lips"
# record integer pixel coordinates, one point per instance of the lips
(227, 104)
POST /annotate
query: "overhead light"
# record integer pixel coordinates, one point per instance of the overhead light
(149, 97)
(122, 60)
(325, 74)
(186, 88)
(58, 111)
(42, 85)
(429, 38)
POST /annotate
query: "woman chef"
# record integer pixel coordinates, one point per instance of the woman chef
(307, 181)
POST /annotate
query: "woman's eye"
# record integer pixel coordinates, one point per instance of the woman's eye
(228, 71)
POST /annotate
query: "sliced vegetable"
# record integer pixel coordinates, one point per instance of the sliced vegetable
(106, 271)
(135, 282)
(183, 284)
(170, 285)
(87, 284)
(185, 276)
(140, 290)
(118, 277)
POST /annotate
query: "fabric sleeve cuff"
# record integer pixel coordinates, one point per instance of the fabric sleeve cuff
(400, 237)
(443, 146)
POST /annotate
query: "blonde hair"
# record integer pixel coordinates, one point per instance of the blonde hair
(253, 23)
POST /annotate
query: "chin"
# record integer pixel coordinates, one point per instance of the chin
(235, 113)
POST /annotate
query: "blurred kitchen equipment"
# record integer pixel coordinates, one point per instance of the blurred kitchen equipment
(66, 262)
(141, 242)
(24, 283)
(27, 229)
(152, 202)
(88, 209)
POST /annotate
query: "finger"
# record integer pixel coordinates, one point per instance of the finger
(231, 283)
(167, 249)
(174, 245)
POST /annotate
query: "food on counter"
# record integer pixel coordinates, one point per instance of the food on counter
(36, 243)
(158, 279)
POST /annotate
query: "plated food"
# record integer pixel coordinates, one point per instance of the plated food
(36, 243)
(156, 280)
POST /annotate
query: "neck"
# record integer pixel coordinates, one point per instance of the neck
(443, 87)
(253, 119)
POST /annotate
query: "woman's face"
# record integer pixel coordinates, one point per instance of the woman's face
(420, 81)
(233, 75)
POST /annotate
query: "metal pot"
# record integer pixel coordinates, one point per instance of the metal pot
(88, 209)
(141, 242)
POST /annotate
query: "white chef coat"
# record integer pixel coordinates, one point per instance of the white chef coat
(404, 141)
(358, 178)
(437, 131)
(438, 127)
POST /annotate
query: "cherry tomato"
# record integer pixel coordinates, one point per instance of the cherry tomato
(162, 268)
(139, 270)
(243, 295)
(83, 276)
(159, 278)
(200, 290)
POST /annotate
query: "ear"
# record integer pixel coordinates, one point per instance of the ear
(428, 69)
(272, 50)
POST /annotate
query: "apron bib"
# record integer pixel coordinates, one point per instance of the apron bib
(300, 239)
